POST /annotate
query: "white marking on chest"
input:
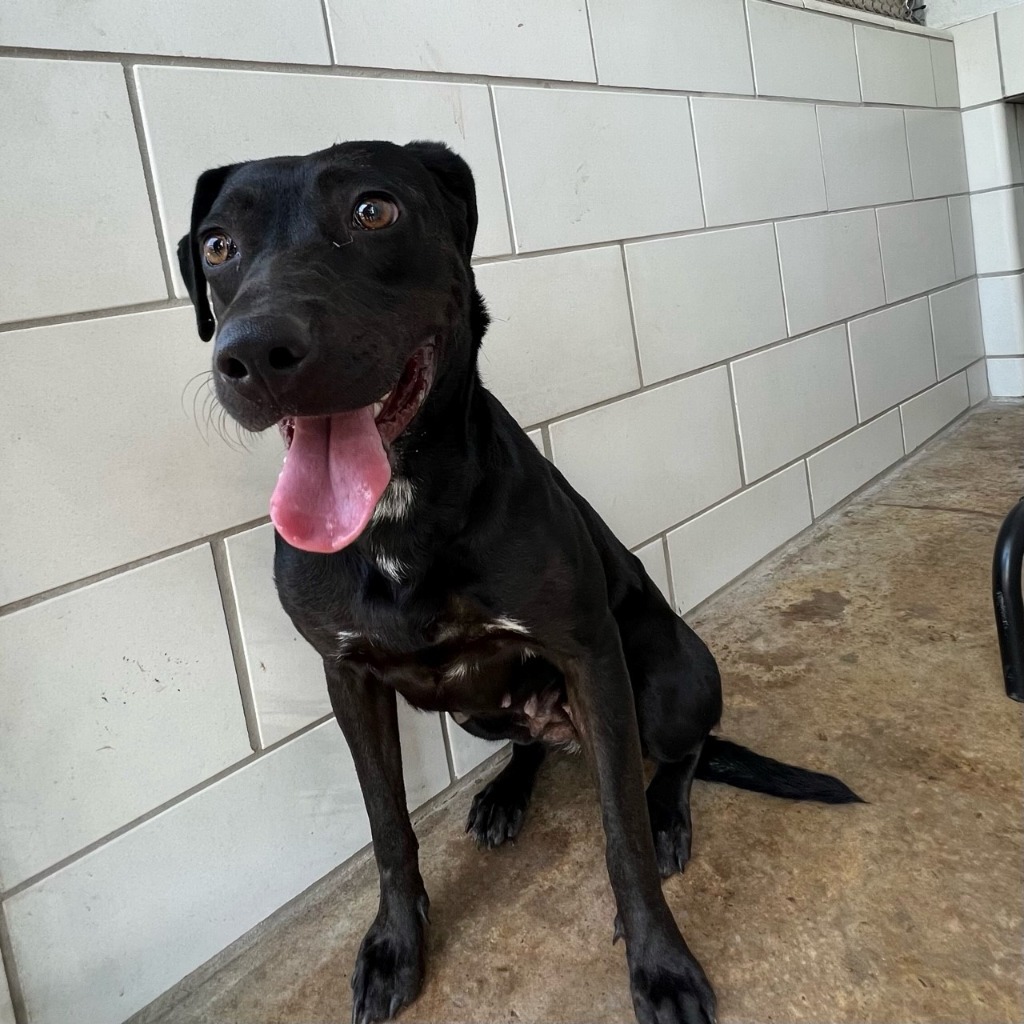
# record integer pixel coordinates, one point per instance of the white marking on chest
(396, 501)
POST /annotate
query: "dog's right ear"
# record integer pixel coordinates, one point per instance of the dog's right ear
(190, 259)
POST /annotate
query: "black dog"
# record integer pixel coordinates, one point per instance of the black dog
(425, 547)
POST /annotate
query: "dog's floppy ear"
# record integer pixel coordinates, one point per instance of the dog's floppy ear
(455, 180)
(190, 259)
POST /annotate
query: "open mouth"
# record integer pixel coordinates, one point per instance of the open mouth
(336, 467)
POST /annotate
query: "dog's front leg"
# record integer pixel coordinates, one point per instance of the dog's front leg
(389, 966)
(667, 983)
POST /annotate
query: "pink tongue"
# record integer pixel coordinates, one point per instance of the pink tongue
(333, 475)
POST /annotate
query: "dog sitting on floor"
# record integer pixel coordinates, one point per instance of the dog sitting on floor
(426, 549)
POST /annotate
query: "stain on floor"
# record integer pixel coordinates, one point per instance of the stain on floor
(868, 650)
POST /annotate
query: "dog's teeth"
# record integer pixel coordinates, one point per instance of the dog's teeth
(377, 406)
(386, 396)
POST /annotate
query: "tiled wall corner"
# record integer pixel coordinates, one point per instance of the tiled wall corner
(655, 565)
(977, 62)
(927, 413)
(1005, 377)
(977, 382)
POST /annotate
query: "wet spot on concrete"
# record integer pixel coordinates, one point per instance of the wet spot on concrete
(821, 606)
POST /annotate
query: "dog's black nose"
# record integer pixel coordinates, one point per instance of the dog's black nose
(265, 349)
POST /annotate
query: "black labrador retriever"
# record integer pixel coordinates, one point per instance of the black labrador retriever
(425, 548)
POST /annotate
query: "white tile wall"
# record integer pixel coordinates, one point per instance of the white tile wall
(793, 398)
(468, 751)
(101, 721)
(580, 180)
(201, 117)
(947, 90)
(67, 209)
(928, 413)
(998, 221)
(993, 148)
(841, 467)
(265, 31)
(560, 336)
(892, 355)
(937, 161)
(705, 297)
(650, 461)
(1006, 377)
(743, 529)
(6, 1007)
(962, 230)
(977, 382)
(956, 324)
(108, 933)
(1002, 313)
(830, 268)
(653, 557)
(758, 159)
(1010, 30)
(115, 472)
(528, 39)
(797, 53)
(917, 250)
(672, 44)
(977, 61)
(895, 67)
(864, 150)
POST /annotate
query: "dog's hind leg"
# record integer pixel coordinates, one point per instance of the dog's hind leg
(499, 808)
(668, 804)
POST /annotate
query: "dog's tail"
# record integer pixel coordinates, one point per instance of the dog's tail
(728, 762)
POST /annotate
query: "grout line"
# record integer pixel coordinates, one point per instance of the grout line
(807, 484)
(325, 9)
(593, 47)
(503, 173)
(999, 55)
(749, 36)
(106, 574)
(10, 972)
(821, 155)
(853, 374)
(737, 432)
(233, 621)
(167, 805)
(782, 281)
(545, 436)
(632, 316)
(147, 172)
(94, 314)
(696, 163)
(666, 554)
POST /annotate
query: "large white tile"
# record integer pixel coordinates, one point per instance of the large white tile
(580, 180)
(864, 150)
(977, 61)
(287, 676)
(139, 913)
(122, 464)
(1002, 314)
(197, 118)
(714, 548)
(653, 558)
(1006, 378)
(998, 222)
(892, 355)
(468, 751)
(1010, 29)
(77, 227)
(560, 336)
(800, 54)
(936, 144)
(121, 695)
(672, 44)
(702, 298)
(962, 230)
(992, 145)
(895, 67)
(528, 39)
(928, 413)
(977, 381)
(792, 398)
(830, 268)
(917, 249)
(649, 461)
(956, 324)
(947, 90)
(840, 468)
(758, 159)
(6, 1007)
(266, 30)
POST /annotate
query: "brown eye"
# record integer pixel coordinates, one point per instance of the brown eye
(374, 212)
(218, 248)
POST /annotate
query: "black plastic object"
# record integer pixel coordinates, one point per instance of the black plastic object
(1006, 592)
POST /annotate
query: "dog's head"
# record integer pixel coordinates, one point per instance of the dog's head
(340, 289)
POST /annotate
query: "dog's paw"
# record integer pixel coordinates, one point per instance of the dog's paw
(671, 989)
(497, 813)
(672, 838)
(389, 969)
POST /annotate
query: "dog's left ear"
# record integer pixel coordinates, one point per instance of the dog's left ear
(455, 180)
(190, 259)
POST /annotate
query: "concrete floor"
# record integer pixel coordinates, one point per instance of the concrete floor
(868, 650)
